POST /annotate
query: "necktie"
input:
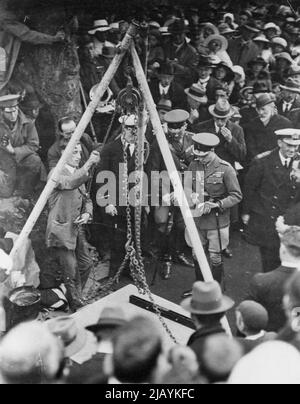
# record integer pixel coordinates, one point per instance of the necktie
(286, 164)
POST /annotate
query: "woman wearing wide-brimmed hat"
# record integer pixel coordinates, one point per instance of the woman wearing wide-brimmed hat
(217, 46)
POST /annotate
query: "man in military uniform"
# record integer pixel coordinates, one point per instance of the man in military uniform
(168, 218)
(269, 192)
(23, 144)
(221, 192)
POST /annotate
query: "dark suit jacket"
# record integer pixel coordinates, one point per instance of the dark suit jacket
(230, 152)
(260, 138)
(112, 156)
(293, 115)
(268, 193)
(197, 340)
(187, 57)
(242, 54)
(176, 94)
(268, 290)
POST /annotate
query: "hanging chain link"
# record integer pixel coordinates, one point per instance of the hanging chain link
(133, 247)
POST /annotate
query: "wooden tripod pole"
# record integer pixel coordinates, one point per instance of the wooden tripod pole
(172, 170)
(86, 118)
(85, 107)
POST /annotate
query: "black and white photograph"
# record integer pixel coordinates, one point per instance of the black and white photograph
(149, 194)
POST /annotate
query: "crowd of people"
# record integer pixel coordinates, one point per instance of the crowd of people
(227, 93)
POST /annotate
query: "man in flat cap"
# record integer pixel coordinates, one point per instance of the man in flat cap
(221, 193)
(168, 218)
(269, 192)
(23, 144)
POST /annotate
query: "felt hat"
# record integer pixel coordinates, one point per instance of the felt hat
(265, 99)
(222, 109)
(111, 317)
(207, 299)
(73, 337)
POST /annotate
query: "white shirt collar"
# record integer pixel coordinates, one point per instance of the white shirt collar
(257, 336)
(70, 168)
(290, 265)
(283, 160)
(163, 90)
(204, 82)
(131, 146)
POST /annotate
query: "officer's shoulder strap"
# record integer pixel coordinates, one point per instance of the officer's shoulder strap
(263, 155)
(225, 163)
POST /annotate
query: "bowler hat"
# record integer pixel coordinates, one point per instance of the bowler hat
(222, 109)
(261, 87)
(111, 317)
(207, 299)
(166, 69)
(265, 99)
(73, 338)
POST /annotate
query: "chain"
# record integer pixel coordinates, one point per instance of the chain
(133, 246)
